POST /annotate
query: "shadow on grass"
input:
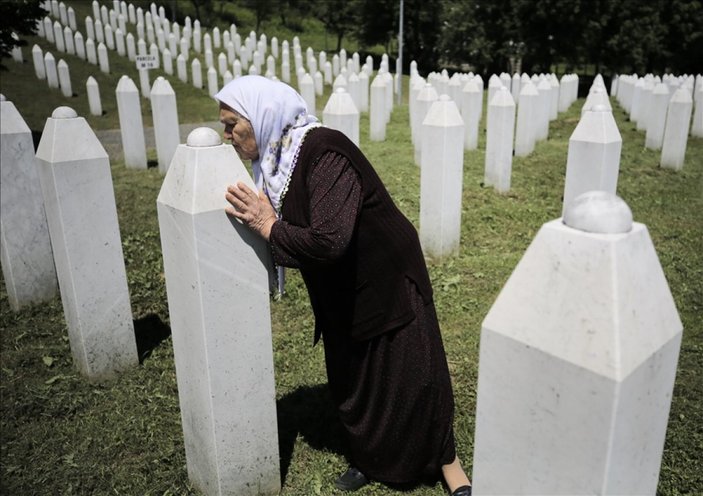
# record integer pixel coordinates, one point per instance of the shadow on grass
(308, 411)
(149, 331)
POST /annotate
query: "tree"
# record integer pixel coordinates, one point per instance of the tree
(19, 17)
(338, 16)
(262, 10)
(378, 24)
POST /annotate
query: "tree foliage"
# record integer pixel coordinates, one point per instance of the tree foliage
(19, 17)
(611, 35)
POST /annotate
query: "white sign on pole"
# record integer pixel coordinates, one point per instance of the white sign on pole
(147, 62)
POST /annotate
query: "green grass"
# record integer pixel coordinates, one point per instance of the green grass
(64, 435)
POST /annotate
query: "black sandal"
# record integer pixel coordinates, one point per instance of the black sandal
(462, 491)
(351, 480)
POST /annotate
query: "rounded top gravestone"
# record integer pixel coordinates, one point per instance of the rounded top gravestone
(599, 212)
(203, 136)
(64, 113)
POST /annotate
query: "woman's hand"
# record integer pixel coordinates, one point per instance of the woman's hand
(254, 210)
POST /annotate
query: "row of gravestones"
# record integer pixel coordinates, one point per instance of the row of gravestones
(110, 30)
(591, 219)
(662, 108)
(573, 409)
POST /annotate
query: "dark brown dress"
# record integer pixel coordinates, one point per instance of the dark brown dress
(392, 389)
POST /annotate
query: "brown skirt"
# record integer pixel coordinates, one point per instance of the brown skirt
(394, 397)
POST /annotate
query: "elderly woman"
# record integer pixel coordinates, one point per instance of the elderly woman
(324, 210)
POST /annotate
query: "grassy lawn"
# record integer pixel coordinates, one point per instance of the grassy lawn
(64, 435)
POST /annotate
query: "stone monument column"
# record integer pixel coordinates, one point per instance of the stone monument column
(27, 259)
(218, 296)
(74, 172)
(577, 361)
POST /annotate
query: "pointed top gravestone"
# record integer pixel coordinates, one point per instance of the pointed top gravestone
(217, 282)
(74, 172)
(340, 113)
(500, 124)
(441, 179)
(131, 126)
(577, 361)
(676, 131)
(27, 258)
(593, 159)
(165, 117)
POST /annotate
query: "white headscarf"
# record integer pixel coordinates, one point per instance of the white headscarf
(280, 120)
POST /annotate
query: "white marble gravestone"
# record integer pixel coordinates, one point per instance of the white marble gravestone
(165, 116)
(675, 140)
(74, 172)
(442, 168)
(217, 282)
(197, 74)
(307, 91)
(500, 125)
(526, 114)
(577, 361)
(52, 76)
(131, 125)
(425, 98)
(38, 61)
(656, 118)
(340, 113)
(64, 78)
(593, 159)
(27, 260)
(103, 59)
(377, 114)
(93, 91)
(697, 122)
(212, 81)
(471, 104)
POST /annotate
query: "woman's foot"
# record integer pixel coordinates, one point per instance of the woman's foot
(462, 491)
(351, 480)
(455, 478)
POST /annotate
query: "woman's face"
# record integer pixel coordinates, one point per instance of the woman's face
(240, 133)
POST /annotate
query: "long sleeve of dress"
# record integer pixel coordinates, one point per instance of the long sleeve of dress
(335, 198)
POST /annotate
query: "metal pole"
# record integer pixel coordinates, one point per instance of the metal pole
(399, 61)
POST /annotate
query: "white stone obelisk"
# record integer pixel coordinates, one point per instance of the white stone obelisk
(656, 117)
(27, 259)
(526, 114)
(217, 282)
(341, 114)
(212, 84)
(377, 111)
(52, 76)
(593, 159)
(165, 116)
(64, 78)
(425, 98)
(441, 179)
(131, 125)
(500, 123)
(93, 91)
(74, 172)
(307, 91)
(471, 104)
(675, 140)
(697, 122)
(577, 361)
(38, 61)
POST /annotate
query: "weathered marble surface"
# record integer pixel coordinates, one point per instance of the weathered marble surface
(218, 294)
(593, 159)
(27, 259)
(441, 179)
(76, 184)
(577, 362)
